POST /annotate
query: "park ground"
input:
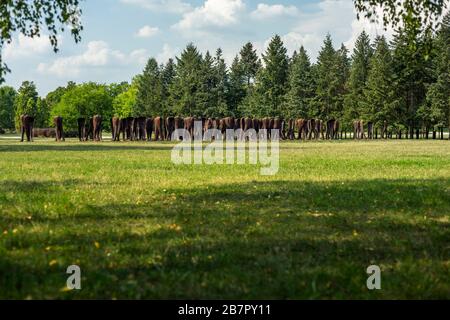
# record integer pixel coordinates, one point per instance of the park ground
(140, 226)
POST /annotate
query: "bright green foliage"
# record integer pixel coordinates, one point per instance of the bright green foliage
(124, 104)
(26, 101)
(7, 98)
(42, 119)
(54, 97)
(84, 100)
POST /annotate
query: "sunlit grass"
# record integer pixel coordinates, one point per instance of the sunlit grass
(142, 227)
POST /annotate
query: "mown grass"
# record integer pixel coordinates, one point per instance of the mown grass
(142, 227)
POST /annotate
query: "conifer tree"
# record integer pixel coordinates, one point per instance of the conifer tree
(149, 98)
(221, 86)
(185, 91)
(250, 63)
(359, 71)
(301, 87)
(438, 93)
(325, 75)
(237, 89)
(379, 103)
(272, 80)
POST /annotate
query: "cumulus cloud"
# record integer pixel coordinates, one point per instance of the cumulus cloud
(167, 53)
(218, 13)
(147, 32)
(171, 6)
(22, 47)
(266, 11)
(98, 54)
(337, 17)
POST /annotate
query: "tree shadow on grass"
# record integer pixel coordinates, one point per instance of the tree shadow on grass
(273, 239)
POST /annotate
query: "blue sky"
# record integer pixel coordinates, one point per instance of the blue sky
(120, 35)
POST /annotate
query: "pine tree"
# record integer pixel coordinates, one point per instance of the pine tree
(237, 87)
(379, 102)
(359, 71)
(206, 102)
(438, 94)
(149, 91)
(221, 88)
(250, 63)
(301, 87)
(273, 79)
(412, 73)
(325, 74)
(342, 71)
(187, 83)
(167, 75)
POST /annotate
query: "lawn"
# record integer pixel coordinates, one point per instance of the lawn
(141, 227)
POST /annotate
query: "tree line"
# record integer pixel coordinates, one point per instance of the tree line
(408, 86)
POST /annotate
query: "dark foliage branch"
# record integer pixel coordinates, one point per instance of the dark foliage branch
(409, 12)
(31, 17)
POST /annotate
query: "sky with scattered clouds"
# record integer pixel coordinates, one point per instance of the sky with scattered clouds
(120, 35)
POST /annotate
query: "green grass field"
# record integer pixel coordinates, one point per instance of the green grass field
(142, 227)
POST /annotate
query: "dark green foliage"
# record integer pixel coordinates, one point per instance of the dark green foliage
(237, 89)
(437, 106)
(327, 77)
(361, 56)
(301, 87)
(272, 80)
(414, 16)
(7, 98)
(379, 102)
(185, 91)
(250, 63)
(30, 17)
(406, 88)
(149, 96)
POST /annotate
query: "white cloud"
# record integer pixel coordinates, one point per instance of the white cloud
(98, 54)
(167, 53)
(22, 47)
(219, 13)
(266, 11)
(147, 32)
(373, 29)
(337, 17)
(171, 6)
